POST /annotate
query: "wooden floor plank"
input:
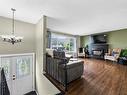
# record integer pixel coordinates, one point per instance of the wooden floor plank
(100, 78)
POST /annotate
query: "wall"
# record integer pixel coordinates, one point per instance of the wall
(116, 39)
(43, 86)
(78, 42)
(84, 40)
(24, 29)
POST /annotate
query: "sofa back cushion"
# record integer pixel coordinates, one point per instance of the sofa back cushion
(58, 54)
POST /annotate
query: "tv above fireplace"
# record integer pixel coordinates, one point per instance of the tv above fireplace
(100, 38)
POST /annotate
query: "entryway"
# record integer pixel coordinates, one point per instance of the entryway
(19, 72)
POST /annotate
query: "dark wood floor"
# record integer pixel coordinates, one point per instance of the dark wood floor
(100, 78)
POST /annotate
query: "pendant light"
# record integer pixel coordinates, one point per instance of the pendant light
(12, 38)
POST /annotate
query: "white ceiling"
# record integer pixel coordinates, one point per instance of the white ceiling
(78, 17)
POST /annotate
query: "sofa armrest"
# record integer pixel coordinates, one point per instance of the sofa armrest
(72, 64)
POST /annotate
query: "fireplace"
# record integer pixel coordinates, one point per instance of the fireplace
(99, 50)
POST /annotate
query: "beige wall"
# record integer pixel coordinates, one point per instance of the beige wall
(30, 43)
(118, 39)
(24, 29)
(43, 86)
(78, 42)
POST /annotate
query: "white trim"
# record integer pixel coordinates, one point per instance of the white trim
(34, 70)
(20, 54)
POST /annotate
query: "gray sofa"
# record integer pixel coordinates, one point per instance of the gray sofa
(58, 67)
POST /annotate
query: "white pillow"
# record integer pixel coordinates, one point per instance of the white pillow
(68, 55)
(49, 51)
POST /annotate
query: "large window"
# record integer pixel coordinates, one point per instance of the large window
(63, 42)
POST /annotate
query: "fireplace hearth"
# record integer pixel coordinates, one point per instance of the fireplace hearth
(99, 50)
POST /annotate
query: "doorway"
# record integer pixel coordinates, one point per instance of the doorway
(19, 72)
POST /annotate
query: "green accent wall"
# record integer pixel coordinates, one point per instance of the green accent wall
(116, 39)
(84, 40)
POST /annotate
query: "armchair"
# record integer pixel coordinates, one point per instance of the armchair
(113, 54)
(81, 52)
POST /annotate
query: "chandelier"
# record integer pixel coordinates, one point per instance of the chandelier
(12, 38)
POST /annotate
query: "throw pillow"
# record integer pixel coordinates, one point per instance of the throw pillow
(113, 53)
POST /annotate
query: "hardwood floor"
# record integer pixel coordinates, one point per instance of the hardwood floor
(100, 78)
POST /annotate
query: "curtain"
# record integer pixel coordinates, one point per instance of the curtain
(48, 39)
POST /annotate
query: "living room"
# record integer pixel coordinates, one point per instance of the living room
(76, 45)
(104, 50)
(59, 47)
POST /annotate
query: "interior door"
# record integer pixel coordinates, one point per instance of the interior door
(19, 73)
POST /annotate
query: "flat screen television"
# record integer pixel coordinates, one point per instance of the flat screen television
(100, 38)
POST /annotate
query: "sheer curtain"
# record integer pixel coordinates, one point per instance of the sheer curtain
(48, 39)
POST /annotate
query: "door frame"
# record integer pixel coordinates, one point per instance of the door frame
(33, 64)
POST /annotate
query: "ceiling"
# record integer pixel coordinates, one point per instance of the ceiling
(78, 17)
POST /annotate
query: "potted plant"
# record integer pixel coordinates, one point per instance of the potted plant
(124, 56)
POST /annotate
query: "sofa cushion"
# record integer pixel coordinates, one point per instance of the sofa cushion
(110, 58)
(68, 55)
(72, 64)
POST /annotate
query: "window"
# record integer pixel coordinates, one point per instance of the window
(63, 42)
(23, 66)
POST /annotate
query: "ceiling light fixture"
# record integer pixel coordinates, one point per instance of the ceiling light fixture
(12, 38)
